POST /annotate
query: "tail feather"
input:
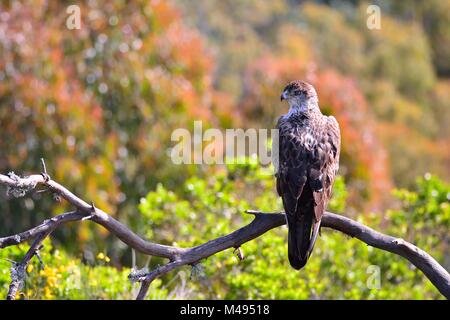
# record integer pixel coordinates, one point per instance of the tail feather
(314, 236)
(303, 231)
(299, 239)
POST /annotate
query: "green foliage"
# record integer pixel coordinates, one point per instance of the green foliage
(424, 211)
(64, 277)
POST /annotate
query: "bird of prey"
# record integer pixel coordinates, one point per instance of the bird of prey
(308, 160)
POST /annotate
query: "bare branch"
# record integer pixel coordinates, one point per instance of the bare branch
(98, 216)
(262, 223)
(18, 270)
(43, 227)
(159, 271)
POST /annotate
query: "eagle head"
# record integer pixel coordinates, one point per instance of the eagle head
(300, 95)
(298, 89)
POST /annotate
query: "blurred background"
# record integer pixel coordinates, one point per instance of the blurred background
(100, 104)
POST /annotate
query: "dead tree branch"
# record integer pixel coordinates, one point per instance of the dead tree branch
(263, 222)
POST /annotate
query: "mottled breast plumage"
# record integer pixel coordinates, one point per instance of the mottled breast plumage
(310, 144)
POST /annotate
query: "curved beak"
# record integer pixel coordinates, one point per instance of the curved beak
(283, 96)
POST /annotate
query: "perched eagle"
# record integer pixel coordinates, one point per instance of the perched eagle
(308, 160)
